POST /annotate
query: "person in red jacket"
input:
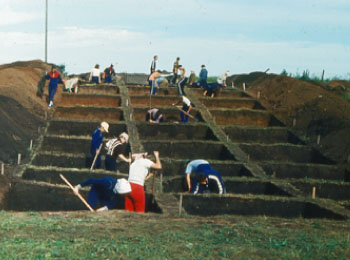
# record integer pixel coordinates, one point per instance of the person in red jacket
(55, 79)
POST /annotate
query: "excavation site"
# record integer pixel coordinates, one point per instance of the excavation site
(268, 166)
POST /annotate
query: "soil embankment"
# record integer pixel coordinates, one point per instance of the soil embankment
(315, 110)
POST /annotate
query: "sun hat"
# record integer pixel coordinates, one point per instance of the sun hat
(105, 126)
(125, 136)
(122, 186)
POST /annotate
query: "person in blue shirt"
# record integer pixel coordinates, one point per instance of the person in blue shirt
(209, 182)
(202, 167)
(104, 191)
(203, 76)
(55, 79)
(96, 142)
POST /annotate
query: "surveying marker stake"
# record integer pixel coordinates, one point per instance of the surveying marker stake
(19, 159)
(31, 144)
(294, 122)
(313, 192)
(2, 168)
(318, 139)
(258, 95)
(180, 204)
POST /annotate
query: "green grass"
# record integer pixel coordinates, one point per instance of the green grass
(306, 76)
(119, 235)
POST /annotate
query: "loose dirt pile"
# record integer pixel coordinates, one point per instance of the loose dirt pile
(20, 108)
(316, 109)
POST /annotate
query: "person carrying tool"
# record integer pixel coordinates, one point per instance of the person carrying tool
(154, 116)
(109, 73)
(96, 143)
(135, 201)
(117, 148)
(186, 108)
(205, 177)
(104, 191)
(183, 81)
(55, 79)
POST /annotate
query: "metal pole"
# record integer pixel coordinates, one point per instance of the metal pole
(46, 23)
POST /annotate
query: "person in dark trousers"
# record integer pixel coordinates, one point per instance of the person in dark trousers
(104, 191)
(95, 75)
(96, 142)
(55, 79)
(186, 107)
(175, 70)
(203, 168)
(208, 183)
(154, 116)
(117, 148)
(203, 76)
(153, 64)
(109, 73)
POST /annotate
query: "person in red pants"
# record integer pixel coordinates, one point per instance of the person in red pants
(135, 201)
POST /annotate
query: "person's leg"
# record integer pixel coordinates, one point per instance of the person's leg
(139, 198)
(129, 205)
(93, 198)
(110, 163)
(52, 92)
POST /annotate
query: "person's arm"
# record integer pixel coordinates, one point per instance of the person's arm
(122, 156)
(188, 180)
(189, 109)
(91, 181)
(157, 165)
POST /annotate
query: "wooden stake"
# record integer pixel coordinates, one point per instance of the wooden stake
(244, 86)
(318, 139)
(2, 169)
(19, 159)
(248, 157)
(233, 84)
(313, 192)
(31, 144)
(258, 95)
(78, 195)
(294, 122)
(180, 204)
(45, 115)
(161, 183)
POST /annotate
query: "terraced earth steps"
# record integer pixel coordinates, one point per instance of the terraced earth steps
(98, 89)
(170, 114)
(267, 135)
(95, 100)
(89, 113)
(231, 103)
(145, 91)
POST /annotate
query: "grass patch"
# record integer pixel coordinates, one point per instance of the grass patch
(119, 235)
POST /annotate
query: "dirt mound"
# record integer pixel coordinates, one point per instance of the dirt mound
(317, 111)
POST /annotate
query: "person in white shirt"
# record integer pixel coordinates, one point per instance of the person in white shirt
(95, 75)
(186, 108)
(135, 201)
(71, 85)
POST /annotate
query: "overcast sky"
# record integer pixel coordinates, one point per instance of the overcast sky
(240, 36)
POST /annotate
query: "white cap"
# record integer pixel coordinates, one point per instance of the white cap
(125, 136)
(137, 156)
(105, 126)
(122, 186)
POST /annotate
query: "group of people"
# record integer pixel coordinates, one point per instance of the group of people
(179, 77)
(200, 177)
(108, 74)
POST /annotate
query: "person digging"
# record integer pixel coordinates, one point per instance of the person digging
(104, 191)
(186, 108)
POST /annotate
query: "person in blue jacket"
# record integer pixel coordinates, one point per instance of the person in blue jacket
(55, 79)
(104, 191)
(96, 142)
(208, 182)
(202, 168)
(203, 76)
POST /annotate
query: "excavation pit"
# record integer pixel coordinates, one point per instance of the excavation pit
(78, 161)
(89, 113)
(301, 171)
(28, 196)
(245, 117)
(233, 186)
(231, 103)
(227, 93)
(189, 149)
(268, 135)
(69, 100)
(334, 191)
(168, 131)
(284, 153)
(82, 128)
(169, 114)
(155, 101)
(209, 205)
(145, 91)
(98, 89)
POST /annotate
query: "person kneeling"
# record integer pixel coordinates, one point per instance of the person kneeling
(208, 183)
